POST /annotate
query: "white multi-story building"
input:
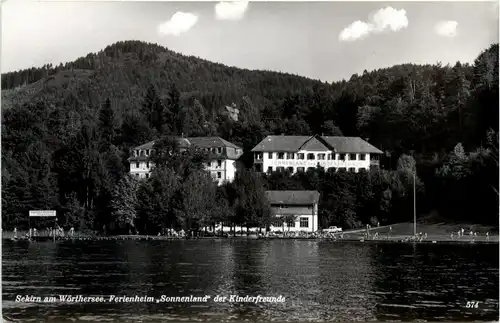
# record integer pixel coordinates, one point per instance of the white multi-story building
(300, 153)
(223, 156)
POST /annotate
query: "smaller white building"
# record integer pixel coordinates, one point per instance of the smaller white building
(222, 164)
(298, 209)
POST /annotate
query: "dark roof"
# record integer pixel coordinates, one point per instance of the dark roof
(351, 145)
(281, 143)
(211, 142)
(315, 143)
(148, 145)
(293, 197)
(201, 142)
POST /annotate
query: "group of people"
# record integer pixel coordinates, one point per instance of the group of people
(50, 232)
(472, 234)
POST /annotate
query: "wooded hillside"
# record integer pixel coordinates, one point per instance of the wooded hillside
(66, 132)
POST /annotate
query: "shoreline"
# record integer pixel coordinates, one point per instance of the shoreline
(493, 240)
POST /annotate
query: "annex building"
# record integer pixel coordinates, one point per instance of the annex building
(300, 153)
(222, 154)
(300, 209)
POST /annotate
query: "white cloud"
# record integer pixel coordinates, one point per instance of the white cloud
(234, 10)
(356, 30)
(389, 19)
(385, 19)
(446, 28)
(178, 24)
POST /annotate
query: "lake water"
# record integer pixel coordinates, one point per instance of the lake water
(320, 280)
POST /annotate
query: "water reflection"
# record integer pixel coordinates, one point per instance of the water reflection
(321, 281)
(434, 282)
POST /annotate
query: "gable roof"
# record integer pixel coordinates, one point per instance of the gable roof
(293, 197)
(202, 142)
(148, 145)
(211, 142)
(281, 143)
(313, 144)
(350, 145)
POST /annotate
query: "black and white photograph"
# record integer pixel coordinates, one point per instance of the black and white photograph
(236, 161)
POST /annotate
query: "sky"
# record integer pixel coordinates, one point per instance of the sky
(329, 41)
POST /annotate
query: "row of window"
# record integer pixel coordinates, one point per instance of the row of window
(138, 165)
(303, 223)
(143, 153)
(303, 169)
(313, 156)
(218, 175)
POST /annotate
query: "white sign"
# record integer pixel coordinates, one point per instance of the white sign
(43, 213)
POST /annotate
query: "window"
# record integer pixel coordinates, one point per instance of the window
(290, 224)
(310, 156)
(136, 165)
(352, 156)
(301, 169)
(219, 174)
(341, 156)
(321, 156)
(304, 222)
(281, 155)
(147, 175)
(258, 156)
(219, 150)
(219, 163)
(270, 169)
(142, 153)
(280, 169)
(147, 152)
(290, 169)
(300, 156)
(329, 157)
(352, 169)
(270, 155)
(290, 156)
(147, 164)
(362, 156)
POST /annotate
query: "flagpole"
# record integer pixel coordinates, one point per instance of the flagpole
(414, 204)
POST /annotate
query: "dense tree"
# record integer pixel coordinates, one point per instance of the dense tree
(60, 151)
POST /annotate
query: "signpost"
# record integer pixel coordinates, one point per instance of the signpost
(43, 213)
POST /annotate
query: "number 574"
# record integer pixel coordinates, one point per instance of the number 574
(472, 305)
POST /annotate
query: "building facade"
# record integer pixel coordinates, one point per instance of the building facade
(222, 164)
(298, 208)
(300, 153)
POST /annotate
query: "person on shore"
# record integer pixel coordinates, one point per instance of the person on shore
(451, 235)
(487, 236)
(463, 230)
(378, 224)
(35, 232)
(15, 233)
(72, 231)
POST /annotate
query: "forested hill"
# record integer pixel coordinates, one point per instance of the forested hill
(124, 70)
(53, 118)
